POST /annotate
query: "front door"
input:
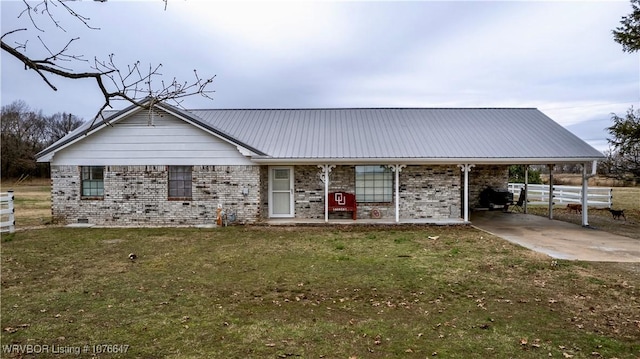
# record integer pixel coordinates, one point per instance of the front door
(281, 192)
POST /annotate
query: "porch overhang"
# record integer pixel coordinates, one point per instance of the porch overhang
(423, 161)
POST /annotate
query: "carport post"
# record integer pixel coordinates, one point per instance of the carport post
(550, 191)
(526, 187)
(585, 192)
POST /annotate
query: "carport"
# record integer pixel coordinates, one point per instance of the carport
(560, 240)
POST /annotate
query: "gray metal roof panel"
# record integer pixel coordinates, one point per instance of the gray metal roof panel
(360, 133)
(398, 133)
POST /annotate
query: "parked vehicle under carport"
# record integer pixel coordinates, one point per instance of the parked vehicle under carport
(492, 198)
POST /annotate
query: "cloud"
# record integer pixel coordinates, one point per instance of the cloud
(557, 56)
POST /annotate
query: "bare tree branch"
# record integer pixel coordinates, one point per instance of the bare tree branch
(11, 32)
(129, 83)
(29, 11)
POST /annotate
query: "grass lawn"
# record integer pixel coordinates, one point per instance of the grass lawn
(322, 292)
(317, 292)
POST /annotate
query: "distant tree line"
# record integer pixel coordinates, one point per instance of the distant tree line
(25, 132)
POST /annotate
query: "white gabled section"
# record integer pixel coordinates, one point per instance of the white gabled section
(134, 139)
(173, 111)
(81, 132)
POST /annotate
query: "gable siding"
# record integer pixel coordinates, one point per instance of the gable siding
(168, 141)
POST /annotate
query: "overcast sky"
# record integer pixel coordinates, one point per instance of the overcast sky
(559, 57)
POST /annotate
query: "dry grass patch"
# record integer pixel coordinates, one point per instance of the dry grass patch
(32, 202)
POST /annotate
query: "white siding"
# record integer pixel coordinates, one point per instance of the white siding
(168, 141)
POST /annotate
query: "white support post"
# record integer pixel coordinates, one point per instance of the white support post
(324, 177)
(466, 168)
(585, 196)
(526, 188)
(397, 169)
(550, 191)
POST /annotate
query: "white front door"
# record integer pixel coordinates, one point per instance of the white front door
(281, 192)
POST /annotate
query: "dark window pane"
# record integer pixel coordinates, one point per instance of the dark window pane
(179, 181)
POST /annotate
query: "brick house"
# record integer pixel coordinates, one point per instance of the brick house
(167, 166)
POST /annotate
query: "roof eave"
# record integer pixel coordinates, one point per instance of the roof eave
(423, 161)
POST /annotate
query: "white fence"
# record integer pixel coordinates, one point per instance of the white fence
(539, 194)
(7, 217)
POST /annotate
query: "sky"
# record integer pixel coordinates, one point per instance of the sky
(559, 57)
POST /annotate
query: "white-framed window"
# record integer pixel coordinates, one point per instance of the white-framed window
(92, 181)
(374, 184)
(180, 182)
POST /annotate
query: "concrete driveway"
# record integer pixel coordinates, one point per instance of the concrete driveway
(558, 239)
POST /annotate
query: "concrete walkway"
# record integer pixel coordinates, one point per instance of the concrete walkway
(558, 239)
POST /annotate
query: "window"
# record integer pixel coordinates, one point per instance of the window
(92, 181)
(374, 184)
(180, 182)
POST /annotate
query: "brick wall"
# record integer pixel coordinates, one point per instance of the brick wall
(137, 196)
(430, 192)
(309, 192)
(483, 176)
(425, 192)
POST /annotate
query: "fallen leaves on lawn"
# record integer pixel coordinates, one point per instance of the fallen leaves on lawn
(524, 341)
(12, 330)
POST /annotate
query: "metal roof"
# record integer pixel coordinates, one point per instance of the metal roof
(401, 133)
(358, 135)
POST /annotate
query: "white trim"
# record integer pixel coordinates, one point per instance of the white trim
(291, 190)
